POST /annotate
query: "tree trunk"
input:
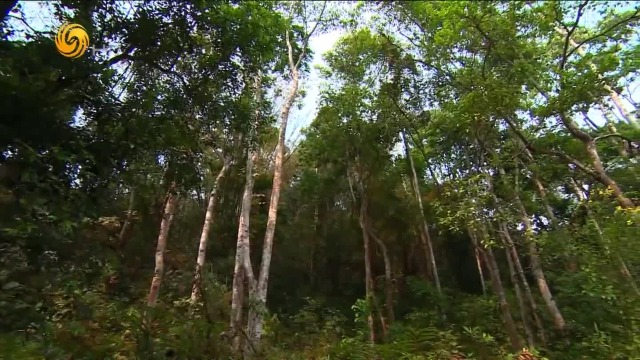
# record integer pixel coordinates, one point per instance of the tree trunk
(426, 240)
(524, 313)
(256, 313)
(369, 294)
(496, 284)
(545, 201)
(314, 245)
(476, 249)
(388, 280)
(204, 235)
(122, 237)
(369, 288)
(504, 234)
(165, 225)
(237, 302)
(604, 178)
(242, 267)
(536, 267)
(540, 189)
(243, 257)
(611, 127)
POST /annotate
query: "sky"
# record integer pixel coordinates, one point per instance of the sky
(38, 16)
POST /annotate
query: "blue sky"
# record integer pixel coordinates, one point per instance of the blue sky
(38, 16)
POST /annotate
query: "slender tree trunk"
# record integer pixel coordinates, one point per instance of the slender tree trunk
(504, 234)
(503, 231)
(237, 302)
(128, 220)
(314, 245)
(496, 284)
(388, 279)
(256, 313)
(604, 178)
(524, 311)
(426, 243)
(536, 268)
(476, 248)
(243, 257)
(369, 292)
(542, 192)
(204, 235)
(369, 286)
(165, 225)
(572, 263)
(624, 270)
(243, 270)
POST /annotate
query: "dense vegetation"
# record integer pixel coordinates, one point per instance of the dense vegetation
(468, 188)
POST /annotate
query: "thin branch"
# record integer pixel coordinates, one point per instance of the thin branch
(569, 33)
(25, 23)
(308, 36)
(629, 141)
(556, 153)
(603, 33)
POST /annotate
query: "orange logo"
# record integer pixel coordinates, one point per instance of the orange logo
(72, 40)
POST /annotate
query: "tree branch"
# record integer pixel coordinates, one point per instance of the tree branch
(603, 33)
(569, 34)
(555, 153)
(306, 39)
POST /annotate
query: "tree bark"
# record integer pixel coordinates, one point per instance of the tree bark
(536, 266)
(426, 239)
(496, 284)
(165, 225)
(243, 257)
(604, 178)
(122, 237)
(243, 270)
(504, 234)
(598, 172)
(476, 248)
(524, 311)
(542, 192)
(388, 279)
(367, 268)
(204, 235)
(256, 312)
